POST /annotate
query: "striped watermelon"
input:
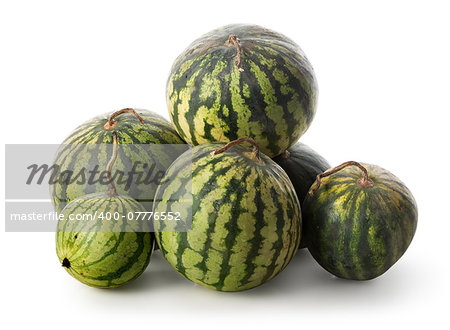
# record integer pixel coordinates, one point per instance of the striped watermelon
(242, 80)
(359, 226)
(246, 221)
(86, 147)
(103, 253)
(302, 164)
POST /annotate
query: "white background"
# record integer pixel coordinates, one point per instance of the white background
(384, 76)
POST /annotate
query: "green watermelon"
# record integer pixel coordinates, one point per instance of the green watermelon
(103, 253)
(361, 220)
(246, 220)
(87, 147)
(302, 164)
(242, 80)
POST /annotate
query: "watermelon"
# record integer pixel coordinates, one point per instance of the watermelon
(361, 220)
(87, 147)
(302, 164)
(242, 80)
(103, 253)
(246, 220)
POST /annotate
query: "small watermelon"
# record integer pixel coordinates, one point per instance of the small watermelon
(361, 220)
(246, 221)
(86, 148)
(242, 80)
(302, 164)
(102, 252)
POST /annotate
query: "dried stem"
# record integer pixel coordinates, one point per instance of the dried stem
(234, 41)
(111, 122)
(255, 150)
(112, 189)
(285, 154)
(364, 181)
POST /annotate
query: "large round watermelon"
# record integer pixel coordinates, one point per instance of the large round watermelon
(108, 247)
(302, 164)
(242, 80)
(89, 148)
(246, 221)
(359, 226)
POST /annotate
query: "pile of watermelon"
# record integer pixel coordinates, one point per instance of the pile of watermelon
(248, 195)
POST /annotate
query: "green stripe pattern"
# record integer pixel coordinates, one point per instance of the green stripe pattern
(90, 145)
(272, 99)
(103, 253)
(359, 233)
(302, 166)
(246, 220)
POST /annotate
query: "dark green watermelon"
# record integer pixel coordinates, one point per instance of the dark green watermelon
(242, 80)
(302, 164)
(358, 226)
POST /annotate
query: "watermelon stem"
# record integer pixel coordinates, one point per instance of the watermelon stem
(285, 154)
(111, 123)
(234, 41)
(364, 181)
(255, 150)
(112, 189)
